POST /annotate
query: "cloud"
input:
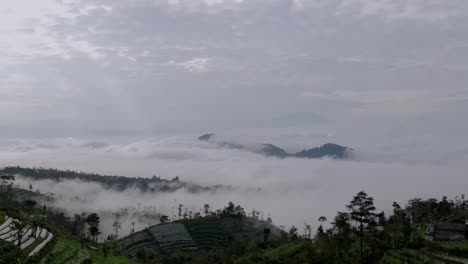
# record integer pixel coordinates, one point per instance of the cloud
(397, 170)
(192, 65)
(154, 67)
(420, 10)
(30, 33)
(387, 78)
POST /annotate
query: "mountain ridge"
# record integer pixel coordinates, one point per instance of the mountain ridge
(330, 150)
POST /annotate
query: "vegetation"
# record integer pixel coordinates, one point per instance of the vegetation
(327, 150)
(68, 250)
(360, 234)
(2, 218)
(9, 253)
(120, 183)
(29, 216)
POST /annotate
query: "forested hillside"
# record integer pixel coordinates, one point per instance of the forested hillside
(119, 183)
(422, 231)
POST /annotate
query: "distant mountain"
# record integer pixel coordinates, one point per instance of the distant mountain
(330, 150)
(117, 183)
(206, 137)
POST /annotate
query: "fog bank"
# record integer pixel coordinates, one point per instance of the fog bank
(291, 191)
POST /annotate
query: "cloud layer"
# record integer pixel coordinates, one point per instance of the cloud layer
(291, 191)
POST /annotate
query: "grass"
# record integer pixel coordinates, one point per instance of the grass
(33, 245)
(98, 258)
(284, 251)
(289, 253)
(459, 245)
(429, 255)
(410, 256)
(452, 248)
(67, 250)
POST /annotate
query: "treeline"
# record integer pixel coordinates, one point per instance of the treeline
(361, 234)
(118, 183)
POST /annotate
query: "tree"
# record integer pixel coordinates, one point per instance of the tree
(181, 206)
(116, 226)
(6, 185)
(307, 231)
(266, 234)
(43, 213)
(362, 211)
(30, 204)
(293, 232)
(255, 214)
(163, 219)
(341, 223)
(229, 209)
(444, 207)
(93, 223)
(233, 210)
(77, 227)
(206, 209)
(342, 230)
(382, 220)
(239, 211)
(322, 219)
(320, 233)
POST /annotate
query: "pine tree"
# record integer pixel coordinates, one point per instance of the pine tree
(362, 211)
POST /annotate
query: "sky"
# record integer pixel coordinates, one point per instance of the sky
(125, 87)
(154, 67)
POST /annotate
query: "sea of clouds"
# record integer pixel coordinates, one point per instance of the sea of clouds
(291, 191)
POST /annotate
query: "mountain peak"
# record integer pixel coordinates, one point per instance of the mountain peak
(206, 137)
(330, 150)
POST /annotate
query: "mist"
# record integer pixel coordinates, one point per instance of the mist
(291, 191)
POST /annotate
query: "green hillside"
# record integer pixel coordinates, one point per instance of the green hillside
(207, 232)
(453, 252)
(204, 233)
(60, 247)
(68, 250)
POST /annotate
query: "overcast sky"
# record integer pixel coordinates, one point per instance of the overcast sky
(159, 67)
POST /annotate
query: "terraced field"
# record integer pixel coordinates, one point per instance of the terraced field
(191, 234)
(143, 239)
(29, 244)
(172, 236)
(158, 238)
(64, 251)
(208, 233)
